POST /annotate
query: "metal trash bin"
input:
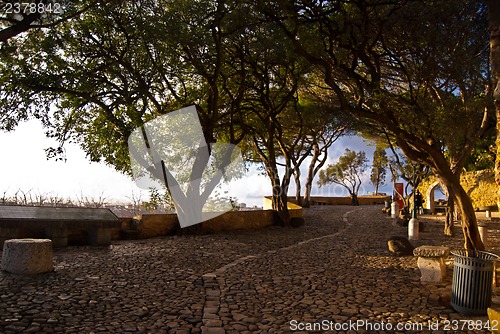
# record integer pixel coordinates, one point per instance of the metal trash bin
(472, 281)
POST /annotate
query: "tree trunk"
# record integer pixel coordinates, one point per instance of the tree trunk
(298, 187)
(494, 27)
(280, 206)
(311, 172)
(450, 216)
(472, 239)
(354, 199)
(280, 189)
(279, 200)
(450, 212)
(308, 186)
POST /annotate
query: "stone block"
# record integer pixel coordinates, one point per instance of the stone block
(400, 246)
(431, 262)
(99, 236)
(27, 256)
(432, 269)
(483, 232)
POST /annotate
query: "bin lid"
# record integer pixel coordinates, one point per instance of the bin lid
(480, 255)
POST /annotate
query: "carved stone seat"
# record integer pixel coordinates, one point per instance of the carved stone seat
(431, 262)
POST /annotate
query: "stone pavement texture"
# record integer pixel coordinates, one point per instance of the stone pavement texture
(332, 270)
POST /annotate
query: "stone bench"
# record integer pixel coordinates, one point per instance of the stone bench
(57, 224)
(27, 256)
(431, 262)
(487, 211)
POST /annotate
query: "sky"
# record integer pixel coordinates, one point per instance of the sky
(25, 167)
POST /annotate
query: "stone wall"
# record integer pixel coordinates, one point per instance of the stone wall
(125, 225)
(294, 209)
(157, 225)
(363, 200)
(479, 185)
(239, 220)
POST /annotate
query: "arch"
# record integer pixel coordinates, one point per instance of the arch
(429, 197)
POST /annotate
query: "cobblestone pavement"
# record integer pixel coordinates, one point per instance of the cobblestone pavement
(334, 271)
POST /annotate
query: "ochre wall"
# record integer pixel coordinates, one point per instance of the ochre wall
(294, 209)
(156, 225)
(480, 186)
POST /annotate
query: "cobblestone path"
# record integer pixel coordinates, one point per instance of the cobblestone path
(334, 272)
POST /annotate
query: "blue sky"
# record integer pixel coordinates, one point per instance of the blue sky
(26, 167)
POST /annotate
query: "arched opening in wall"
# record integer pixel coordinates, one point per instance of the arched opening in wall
(435, 199)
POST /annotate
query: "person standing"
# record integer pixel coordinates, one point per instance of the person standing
(418, 202)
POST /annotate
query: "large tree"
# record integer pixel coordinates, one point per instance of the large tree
(323, 124)
(494, 28)
(273, 106)
(96, 77)
(347, 172)
(399, 66)
(116, 66)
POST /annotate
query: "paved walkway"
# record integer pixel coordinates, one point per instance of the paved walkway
(334, 271)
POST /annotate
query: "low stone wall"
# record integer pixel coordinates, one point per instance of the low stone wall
(294, 210)
(157, 225)
(125, 225)
(479, 185)
(239, 220)
(61, 232)
(363, 200)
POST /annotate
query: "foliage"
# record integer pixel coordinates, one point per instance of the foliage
(18, 17)
(158, 201)
(219, 202)
(494, 29)
(116, 66)
(408, 68)
(96, 77)
(399, 67)
(483, 155)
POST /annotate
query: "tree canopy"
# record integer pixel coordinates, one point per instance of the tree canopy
(397, 67)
